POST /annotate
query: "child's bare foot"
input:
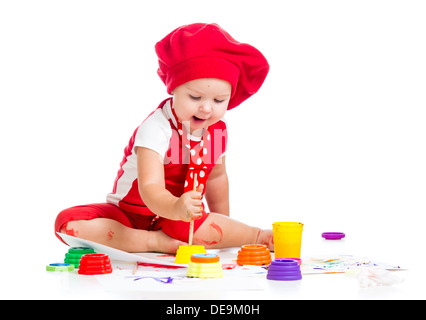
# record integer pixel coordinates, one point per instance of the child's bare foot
(266, 237)
(161, 242)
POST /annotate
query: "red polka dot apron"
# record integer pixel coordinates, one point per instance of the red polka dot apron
(197, 154)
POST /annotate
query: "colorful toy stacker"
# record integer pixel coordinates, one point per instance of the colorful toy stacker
(95, 263)
(254, 254)
(75, 253)
(205, 265)
(284, 270)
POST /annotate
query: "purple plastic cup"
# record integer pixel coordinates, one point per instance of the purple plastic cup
(284, 270)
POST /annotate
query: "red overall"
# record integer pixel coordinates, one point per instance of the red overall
(125, 205)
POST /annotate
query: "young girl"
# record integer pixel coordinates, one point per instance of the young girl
(177, 155)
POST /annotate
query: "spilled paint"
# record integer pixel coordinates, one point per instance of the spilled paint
(229, 266)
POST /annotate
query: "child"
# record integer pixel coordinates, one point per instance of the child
(177, 155)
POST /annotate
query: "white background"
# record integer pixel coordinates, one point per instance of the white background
(335, 138)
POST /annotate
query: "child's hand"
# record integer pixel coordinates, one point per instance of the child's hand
(189, 206)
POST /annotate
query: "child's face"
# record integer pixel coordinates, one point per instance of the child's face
(202, 102)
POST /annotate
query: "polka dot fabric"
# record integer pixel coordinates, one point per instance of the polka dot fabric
(197, 154)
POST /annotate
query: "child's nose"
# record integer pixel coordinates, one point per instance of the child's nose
(206, 107)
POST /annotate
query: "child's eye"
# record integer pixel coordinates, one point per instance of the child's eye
(218, 101)
(194, 97)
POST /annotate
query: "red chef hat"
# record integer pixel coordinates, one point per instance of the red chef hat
(202, 50)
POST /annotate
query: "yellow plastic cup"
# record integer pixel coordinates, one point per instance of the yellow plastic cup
(287, 239)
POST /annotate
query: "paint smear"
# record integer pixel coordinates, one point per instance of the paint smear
(70, 231)
(155, 265)
(269, 241)
(218, 229)
(205, 242)
(211, 242)
(110, 235)
(159, 279)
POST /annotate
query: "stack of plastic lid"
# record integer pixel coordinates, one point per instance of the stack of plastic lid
(254, 254)
(95, 263)
(284, 270)
(75, 253)
(184, 253)
(60, 267)
(205, 265)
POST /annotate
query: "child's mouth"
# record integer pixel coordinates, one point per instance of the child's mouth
(198, 120)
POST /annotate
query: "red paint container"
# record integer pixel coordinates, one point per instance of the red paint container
(91, 264)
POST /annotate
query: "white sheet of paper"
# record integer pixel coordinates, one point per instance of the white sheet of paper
(147, 279)
(113, 254)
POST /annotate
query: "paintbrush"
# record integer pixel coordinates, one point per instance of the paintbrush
(191, 223)
(135, 268)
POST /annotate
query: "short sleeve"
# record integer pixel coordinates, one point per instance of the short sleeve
(154, 133)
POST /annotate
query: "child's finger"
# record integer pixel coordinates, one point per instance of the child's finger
(197, 215)
(197, 208)
(200, 188)
(194, 214)
(196, 202)
(195, 195)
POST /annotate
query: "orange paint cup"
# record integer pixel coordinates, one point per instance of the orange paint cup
(254, 254)
(287, 239)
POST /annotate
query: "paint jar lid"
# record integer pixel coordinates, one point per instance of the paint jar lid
(205, 258)
(60, 267)
(59, 264)
(333, 235)
(80, 250)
